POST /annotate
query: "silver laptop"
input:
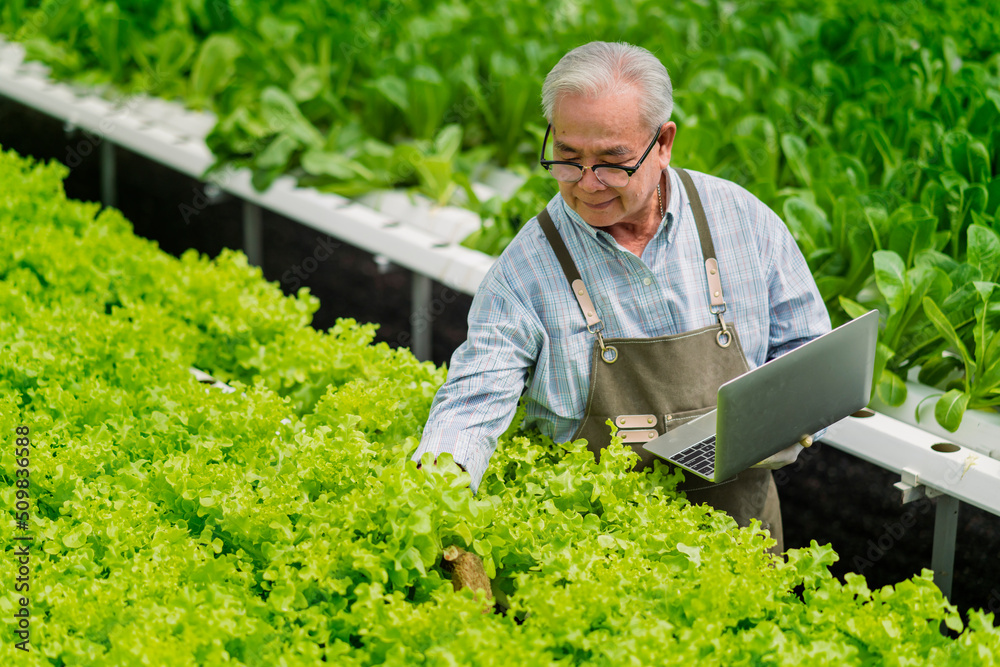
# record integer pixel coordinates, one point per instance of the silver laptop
(777, 404)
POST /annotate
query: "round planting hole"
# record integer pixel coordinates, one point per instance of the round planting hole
(864, 412)
(946, 447)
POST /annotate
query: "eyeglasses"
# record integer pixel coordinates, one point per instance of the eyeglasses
(611, 175)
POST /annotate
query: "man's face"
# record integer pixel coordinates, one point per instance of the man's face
(608, 130)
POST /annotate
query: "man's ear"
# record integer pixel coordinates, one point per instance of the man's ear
(666, 143)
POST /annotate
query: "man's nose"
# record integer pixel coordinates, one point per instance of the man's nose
(590, 182)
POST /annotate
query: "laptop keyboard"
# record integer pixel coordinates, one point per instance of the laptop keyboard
(699, 457)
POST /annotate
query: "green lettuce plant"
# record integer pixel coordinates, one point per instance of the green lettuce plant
(282, 523)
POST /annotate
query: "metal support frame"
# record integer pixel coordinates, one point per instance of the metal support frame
(945, 526)
(928, 467)
(109, 174)
(420, 318)
(253, 231)
(945, 533)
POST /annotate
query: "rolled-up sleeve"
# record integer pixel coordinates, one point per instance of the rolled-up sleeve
(486, 377)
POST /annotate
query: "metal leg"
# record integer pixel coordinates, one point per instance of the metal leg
(109, 174)
(252, 234)
(420, 318)
(945, 532)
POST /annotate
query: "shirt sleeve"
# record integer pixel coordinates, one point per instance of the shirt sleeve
(487, 375)
(797, 312)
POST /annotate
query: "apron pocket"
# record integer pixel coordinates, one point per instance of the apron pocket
(675, 419)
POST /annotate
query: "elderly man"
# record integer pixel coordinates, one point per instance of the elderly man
(639, 289)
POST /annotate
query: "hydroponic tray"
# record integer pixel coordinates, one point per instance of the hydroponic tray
(420, 237)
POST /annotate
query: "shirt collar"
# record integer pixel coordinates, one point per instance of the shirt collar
(672, 213)
(673, 205)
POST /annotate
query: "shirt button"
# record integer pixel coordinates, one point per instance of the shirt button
(647, 281)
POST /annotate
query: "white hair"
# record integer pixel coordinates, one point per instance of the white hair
(611, 68)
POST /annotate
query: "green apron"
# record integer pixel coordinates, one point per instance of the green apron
(648, 386)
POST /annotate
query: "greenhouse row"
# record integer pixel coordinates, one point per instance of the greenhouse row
(449, 332)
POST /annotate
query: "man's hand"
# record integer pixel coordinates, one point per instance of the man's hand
(436, 468)
(785, 456)
(420, 464)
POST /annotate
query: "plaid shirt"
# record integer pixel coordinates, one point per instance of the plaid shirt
(526, 328)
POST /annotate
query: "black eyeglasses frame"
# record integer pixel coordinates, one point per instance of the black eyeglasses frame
(548, 164)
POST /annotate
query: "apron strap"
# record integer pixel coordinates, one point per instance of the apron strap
(707, 247)
(569, 268)
(717, 301)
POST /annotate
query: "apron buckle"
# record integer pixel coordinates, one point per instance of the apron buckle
(609, 353)
(723, 338)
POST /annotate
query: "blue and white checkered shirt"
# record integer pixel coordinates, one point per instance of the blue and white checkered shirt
(526, 326)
